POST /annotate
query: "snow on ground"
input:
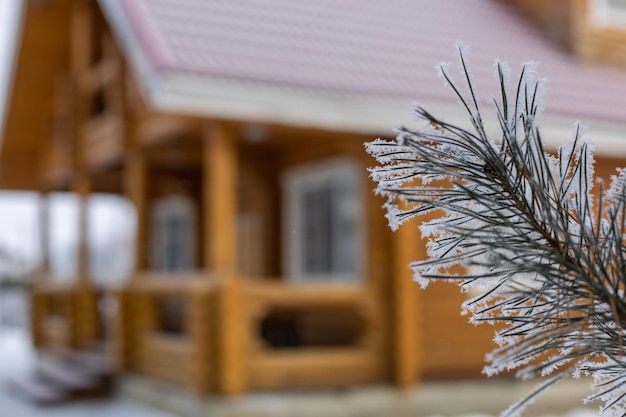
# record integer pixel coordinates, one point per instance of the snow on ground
(17, 357)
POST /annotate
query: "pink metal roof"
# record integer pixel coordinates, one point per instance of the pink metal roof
(371, 47)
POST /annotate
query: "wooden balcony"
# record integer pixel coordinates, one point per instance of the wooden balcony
(101, 112)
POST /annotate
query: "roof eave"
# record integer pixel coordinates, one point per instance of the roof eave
(354, 113)
(257, 102)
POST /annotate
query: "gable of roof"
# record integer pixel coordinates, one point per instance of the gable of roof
(345, 65)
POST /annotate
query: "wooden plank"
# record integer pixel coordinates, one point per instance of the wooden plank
(314, 368)
(280, 295)
(166, 357)
(184, 284)
(153, 128)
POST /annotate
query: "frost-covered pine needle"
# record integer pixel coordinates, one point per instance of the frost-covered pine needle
(546, 256)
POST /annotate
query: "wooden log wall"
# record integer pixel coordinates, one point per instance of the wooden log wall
(572, 24)
(259, 212)
(556, 17)
(305, 365)
(451, 346)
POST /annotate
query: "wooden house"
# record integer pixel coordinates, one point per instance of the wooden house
(236, 129)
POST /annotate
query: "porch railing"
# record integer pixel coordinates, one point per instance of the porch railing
(339, 338)
(143, 346)
(264, 313)
(63, 316)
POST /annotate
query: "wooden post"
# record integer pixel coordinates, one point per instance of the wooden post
(37, 299)
(200, 329)
(220, 202)
(135, 184)
(80, 55)
(44, 237)
(85, 314)
(408, 346)
(82, 187)
(220, 170)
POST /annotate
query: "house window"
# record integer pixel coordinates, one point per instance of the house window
(173, 234)
(323, 223)
(608, 12)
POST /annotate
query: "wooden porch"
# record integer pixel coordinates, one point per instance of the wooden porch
(231, 318)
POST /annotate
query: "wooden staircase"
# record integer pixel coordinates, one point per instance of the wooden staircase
(65, 377)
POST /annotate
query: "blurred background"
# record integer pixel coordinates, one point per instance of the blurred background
(186, 217)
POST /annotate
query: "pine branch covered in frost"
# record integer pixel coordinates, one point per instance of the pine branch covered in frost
(547, 257)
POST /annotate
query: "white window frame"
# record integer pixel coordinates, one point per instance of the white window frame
(163, 209)
(315, 173)
(602, 14)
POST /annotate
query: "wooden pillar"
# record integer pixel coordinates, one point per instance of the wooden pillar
(220, 170)
(82, 187)
(135, 184)
(408, 345)
(80, 59)
(201, 330)
(85, 312)
(44, 237)
(220, 202)
(37, 301)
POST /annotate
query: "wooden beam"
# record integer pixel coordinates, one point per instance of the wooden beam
(81, 39)
(408, 351)
(220, 203)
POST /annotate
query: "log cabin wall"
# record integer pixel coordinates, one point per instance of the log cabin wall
(182, 181)
(599, 32)
(378, 253)
(584, 27)
(452, 347)
(555, 17)
(259, 211)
